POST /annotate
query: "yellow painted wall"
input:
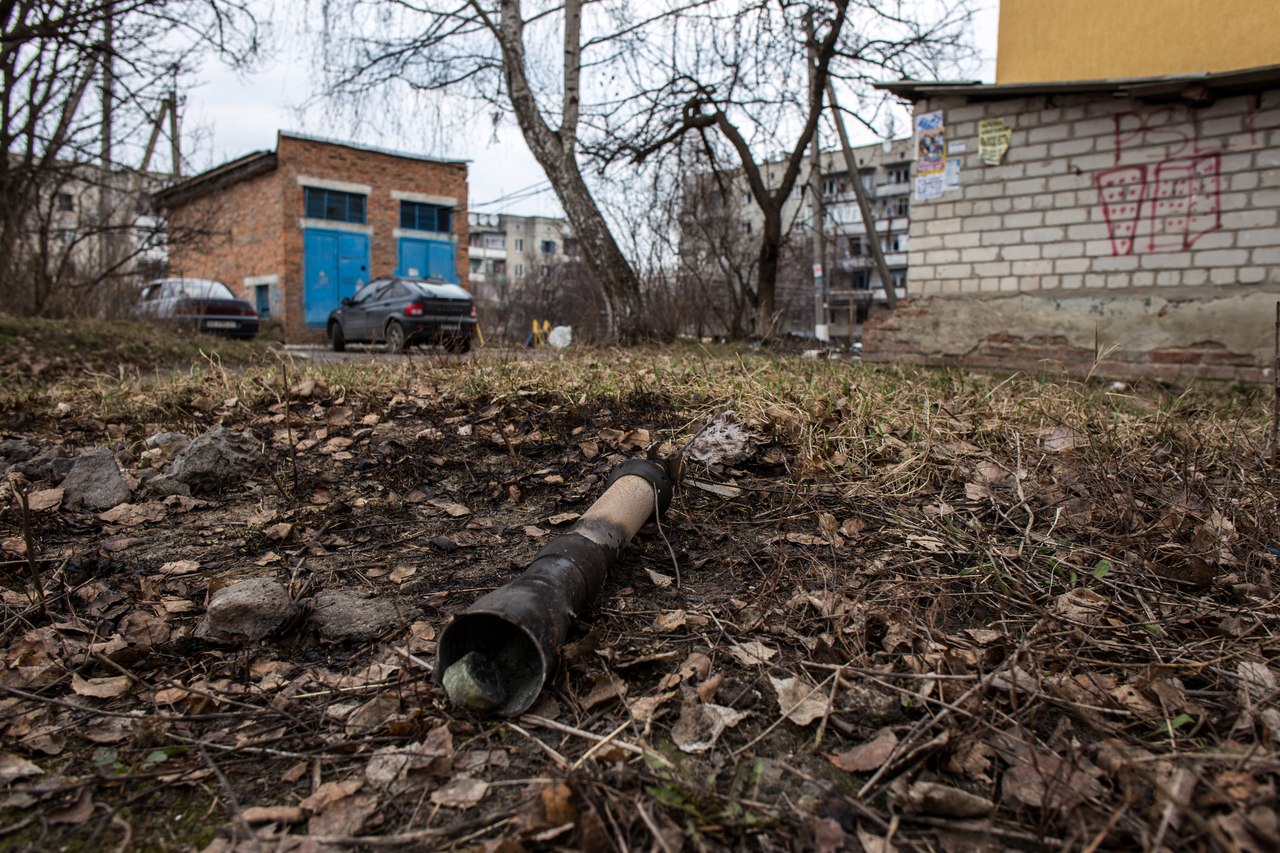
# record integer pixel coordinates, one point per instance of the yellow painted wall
(1056, 40)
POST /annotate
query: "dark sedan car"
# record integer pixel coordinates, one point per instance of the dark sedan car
(197, 304)
(402, 312)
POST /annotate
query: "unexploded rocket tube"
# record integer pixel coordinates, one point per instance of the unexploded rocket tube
(495, 656)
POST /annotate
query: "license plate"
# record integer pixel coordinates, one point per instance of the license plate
(221, 324)
(450, 327)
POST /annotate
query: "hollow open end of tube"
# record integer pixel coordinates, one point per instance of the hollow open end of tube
(490, 665)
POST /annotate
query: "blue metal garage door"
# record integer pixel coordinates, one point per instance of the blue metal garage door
(421, 258)
(334, 265)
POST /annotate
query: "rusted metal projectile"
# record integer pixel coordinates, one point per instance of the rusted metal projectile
(495, 656)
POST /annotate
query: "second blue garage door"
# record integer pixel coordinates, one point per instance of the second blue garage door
(421, 258)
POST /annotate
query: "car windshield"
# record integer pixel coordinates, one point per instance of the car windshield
(201, 289)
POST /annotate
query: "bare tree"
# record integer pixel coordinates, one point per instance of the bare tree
(500, 54)
(747, 80)
(66, 191)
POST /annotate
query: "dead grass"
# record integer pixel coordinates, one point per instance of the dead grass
(928, 608)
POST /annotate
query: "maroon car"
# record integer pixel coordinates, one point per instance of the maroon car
(198, 304)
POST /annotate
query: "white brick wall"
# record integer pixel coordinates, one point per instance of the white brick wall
(1107, 193)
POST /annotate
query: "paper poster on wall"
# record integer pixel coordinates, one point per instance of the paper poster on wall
(993, 140)
(951, 178)
(931, 144)
(929, 186)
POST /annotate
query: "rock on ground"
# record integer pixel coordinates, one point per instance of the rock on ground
(246, 611)
(94, 482)
(216, 461)
(345, 615)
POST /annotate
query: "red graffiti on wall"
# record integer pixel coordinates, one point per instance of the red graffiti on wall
(1166, 206)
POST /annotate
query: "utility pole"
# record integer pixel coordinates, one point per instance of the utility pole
(863, 205)
(820, 329)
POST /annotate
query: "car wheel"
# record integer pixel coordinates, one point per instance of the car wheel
(336, 338)
(395, 337)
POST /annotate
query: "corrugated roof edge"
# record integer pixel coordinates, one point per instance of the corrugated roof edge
(1171, 87)
(306, 137)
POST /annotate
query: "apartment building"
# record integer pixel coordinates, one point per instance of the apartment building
(506, 249)
(719, 242)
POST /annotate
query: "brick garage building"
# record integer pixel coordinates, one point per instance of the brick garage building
(296, 229)
(1132, 227)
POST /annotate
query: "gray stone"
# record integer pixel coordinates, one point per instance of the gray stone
(94, 482)
(17, 450)
(52, 463)
(166, 484)
(345, 615)
(217, 461)
(246, 611)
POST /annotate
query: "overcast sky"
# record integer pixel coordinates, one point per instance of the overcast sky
(227, 115)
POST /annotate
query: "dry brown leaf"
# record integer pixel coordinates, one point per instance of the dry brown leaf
(453, 508)
(976, 491)
(852, 527)
(1081, 605)
(605, 689)
(636, 439)
(671, 620)
(867, 757)
(752, 653)
(44, 499)
(799, 701)
(696, 667)
(563, 518)
(718, 489)
(535, 532)
(100, 688)
(701, 724)
(268, 559)
(645, 708)
(180, 567)
(14, 767)
(273, 814)
(1062, 438)
(988, 473)
(130, 515)
(329, 793)
(933, 798)
(872, 843)
(1131, 699)
(278, 532)
(374, 714)
(402, 573)
(659, 579)
(462, 793)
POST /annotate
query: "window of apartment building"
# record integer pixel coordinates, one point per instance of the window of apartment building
(494, 241)
(334, 205)
(420, 216)
(548, 247)
(519, 270)
(66, 201)
(899, 276)
(499, 267)
(475, 265)
(519, 245)
(898, 173)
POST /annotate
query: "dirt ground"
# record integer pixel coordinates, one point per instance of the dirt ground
(913, 610)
